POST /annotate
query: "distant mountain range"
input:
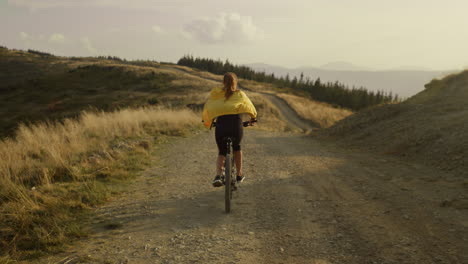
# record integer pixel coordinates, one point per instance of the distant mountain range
(404, 81)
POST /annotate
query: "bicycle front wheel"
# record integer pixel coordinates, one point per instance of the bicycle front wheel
(227, 183)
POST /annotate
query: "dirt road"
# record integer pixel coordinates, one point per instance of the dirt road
(302, 202)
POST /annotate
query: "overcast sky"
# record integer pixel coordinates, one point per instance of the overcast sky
(377, 34)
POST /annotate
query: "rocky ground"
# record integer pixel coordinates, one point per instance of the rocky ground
(304, 201)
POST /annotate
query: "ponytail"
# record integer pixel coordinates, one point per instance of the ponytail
(230, 84)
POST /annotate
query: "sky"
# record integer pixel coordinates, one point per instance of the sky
(376, 34)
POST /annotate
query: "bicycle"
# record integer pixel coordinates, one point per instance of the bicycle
(228, 178)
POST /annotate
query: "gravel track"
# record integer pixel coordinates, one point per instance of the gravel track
(304, 201)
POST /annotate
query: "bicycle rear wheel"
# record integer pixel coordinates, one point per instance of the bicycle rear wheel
(227, 183)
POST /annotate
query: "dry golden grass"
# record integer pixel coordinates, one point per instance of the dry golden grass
(48, 172)
(40, 88)
(258, 86)
(205, 76)
(200, 73)
(320, 113)
(268, 114)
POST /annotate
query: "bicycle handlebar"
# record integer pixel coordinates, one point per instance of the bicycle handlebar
(244, 124)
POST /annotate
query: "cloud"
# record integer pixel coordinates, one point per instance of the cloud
(88, 46)
(225, 28)
(24, 36)
(57, 38)
(157, 29)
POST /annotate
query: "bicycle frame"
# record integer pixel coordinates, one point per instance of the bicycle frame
(229, 179)
(229, 175)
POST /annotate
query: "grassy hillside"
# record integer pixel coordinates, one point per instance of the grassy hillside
(431, 126)
(74, 129)
(37, 88)
(320, 113)
(77, 129)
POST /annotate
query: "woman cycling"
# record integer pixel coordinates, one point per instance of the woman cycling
(226, 104)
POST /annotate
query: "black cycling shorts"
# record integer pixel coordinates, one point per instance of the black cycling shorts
(228, 126)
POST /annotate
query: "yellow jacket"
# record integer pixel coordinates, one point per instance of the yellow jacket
(216, 105)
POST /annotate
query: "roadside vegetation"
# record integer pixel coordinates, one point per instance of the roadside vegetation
(36, 87)
(52, 172)
(320, 113)
(268, 115)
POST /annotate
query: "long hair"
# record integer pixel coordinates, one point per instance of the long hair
(230, 84)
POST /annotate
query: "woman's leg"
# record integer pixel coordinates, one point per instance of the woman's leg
(238, 134)
(220, 164)
(238, 161)
(220, 132)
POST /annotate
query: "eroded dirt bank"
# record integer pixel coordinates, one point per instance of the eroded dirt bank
(302, 202)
